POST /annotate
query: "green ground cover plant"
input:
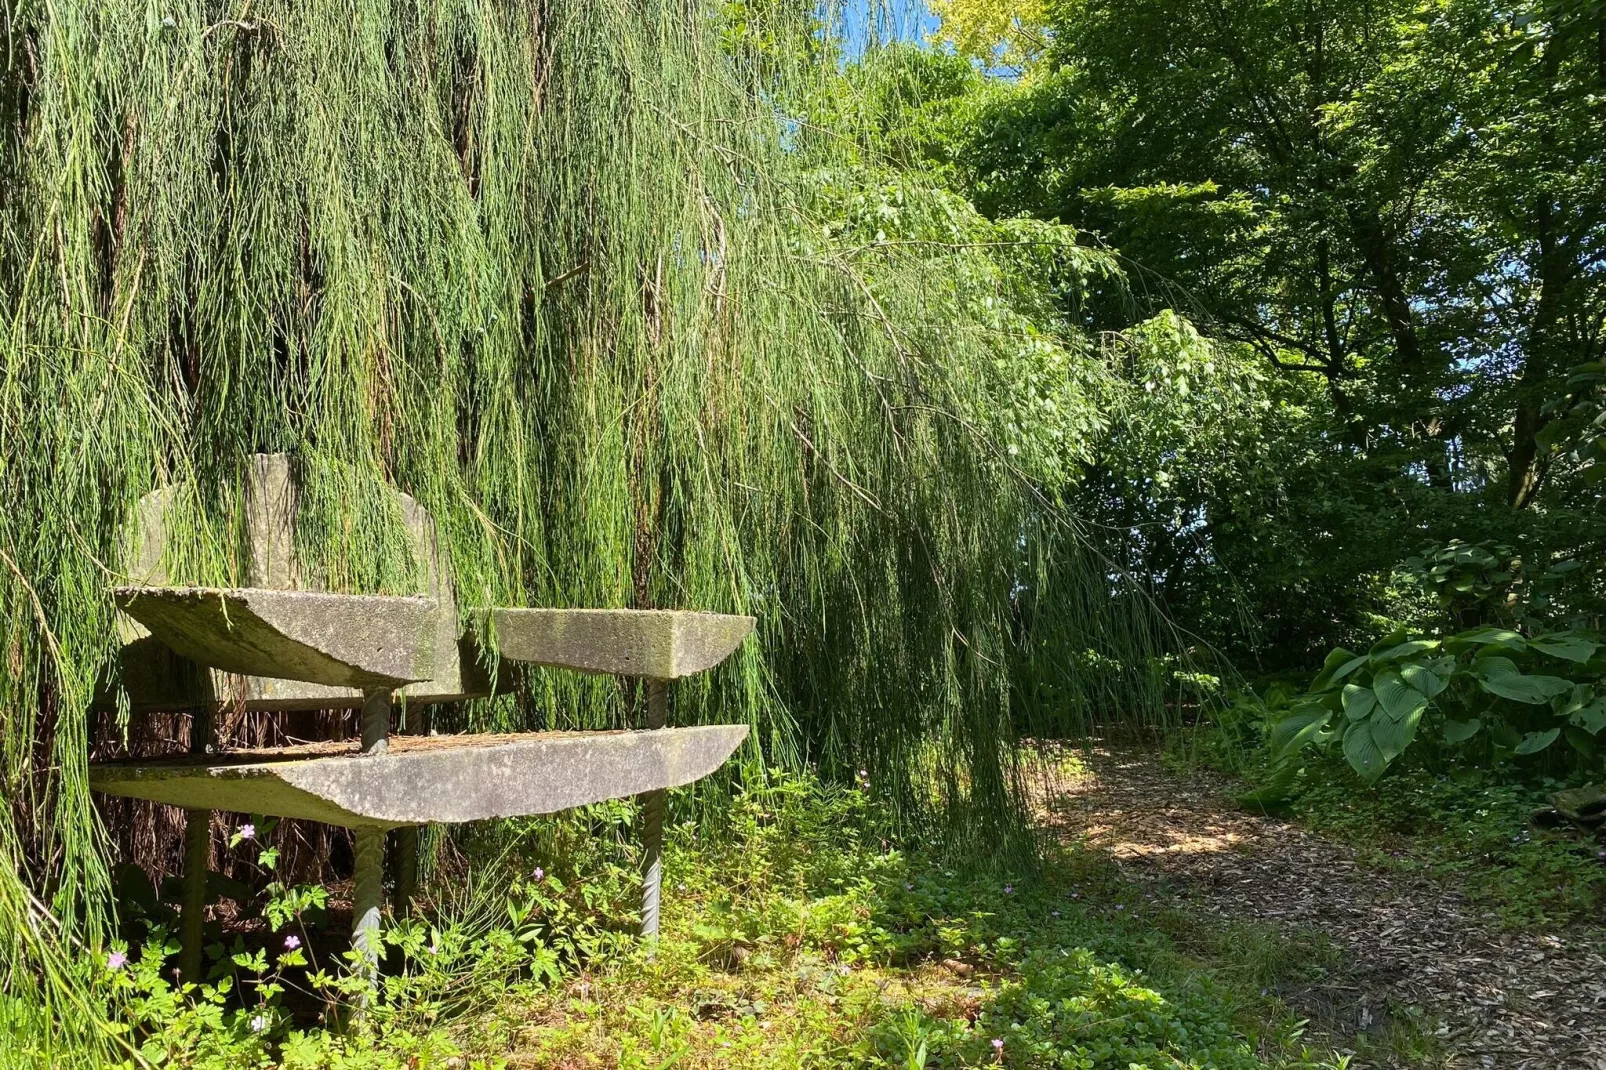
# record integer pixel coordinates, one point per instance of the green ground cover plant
(798, 936)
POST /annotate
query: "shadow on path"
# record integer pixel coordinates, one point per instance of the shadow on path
(1511, 1001)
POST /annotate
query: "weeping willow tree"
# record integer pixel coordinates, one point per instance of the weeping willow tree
(565, 272)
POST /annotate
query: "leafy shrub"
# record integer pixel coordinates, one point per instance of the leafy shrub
(1492, 687)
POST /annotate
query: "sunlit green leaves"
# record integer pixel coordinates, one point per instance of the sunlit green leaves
(1293, 732)
(1572, 647)
(1403, 650)
(1339, 664)
(1514, 685)
(1480, 684)
(1398, 699)
(1393, 735)
(1422, 679)
(1358, 702)
(1363, 753)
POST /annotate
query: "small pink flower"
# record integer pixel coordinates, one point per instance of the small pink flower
(248, 831)
(539, 874)
(292, 942)
(1009, 889)
(998, 1045)
(259, 1023)
(116, 960)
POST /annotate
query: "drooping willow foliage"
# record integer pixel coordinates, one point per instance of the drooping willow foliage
(547, 267)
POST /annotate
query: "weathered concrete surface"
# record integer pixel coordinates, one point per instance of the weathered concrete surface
(424, 779)
(157, 679)
(362, 641)
(657, 643)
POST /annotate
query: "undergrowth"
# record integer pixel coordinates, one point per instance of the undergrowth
(794, 936)
(1462, 822)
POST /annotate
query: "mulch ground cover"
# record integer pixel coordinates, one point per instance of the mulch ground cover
(1409, 944)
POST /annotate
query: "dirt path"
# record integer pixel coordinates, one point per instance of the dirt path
(1508, 1001)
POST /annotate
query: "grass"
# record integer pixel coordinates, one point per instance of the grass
(795, 937)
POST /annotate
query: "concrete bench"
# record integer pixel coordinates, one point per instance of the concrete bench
(278, 648)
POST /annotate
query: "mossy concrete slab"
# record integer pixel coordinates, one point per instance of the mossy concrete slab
(428, 779)
(360, 641)
(155, 678)
(660, 643)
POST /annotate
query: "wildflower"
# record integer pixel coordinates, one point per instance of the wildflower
(908, 887)
(1009, 889)
(248, 831)
(433, 949)
(259, 1023)
(539, 874)
(116, 960)
(998, 1045)
(1054, 913)
(292, 942)
(1120, 906)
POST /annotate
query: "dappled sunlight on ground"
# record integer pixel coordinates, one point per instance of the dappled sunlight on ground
(1523, 1001)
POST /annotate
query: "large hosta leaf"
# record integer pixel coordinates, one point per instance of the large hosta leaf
(1363, 753)
(1358, 702)
(1404, 650)
(1591, 718)
(1297, 729)
(1339, 664)
(1534, 742)
(1398, 699)
(1494, 665)
(1571, 647)
(1392, 737)
(1534, 690)
(1461, 731)
(1422, 679)
(1503, 638)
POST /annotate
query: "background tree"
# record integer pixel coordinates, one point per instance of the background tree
(1399, 210)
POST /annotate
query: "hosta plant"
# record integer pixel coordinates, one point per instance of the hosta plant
(1492, 688)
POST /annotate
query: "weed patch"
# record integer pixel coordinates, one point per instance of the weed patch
(797, 937)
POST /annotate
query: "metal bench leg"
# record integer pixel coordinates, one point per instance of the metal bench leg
(368, 886)
(192, 909)
(404, 842)
(404, 865)
(368, 898)
(197, 855)
(652, 821)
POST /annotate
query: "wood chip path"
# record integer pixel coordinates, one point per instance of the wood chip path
(1505, 1001)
